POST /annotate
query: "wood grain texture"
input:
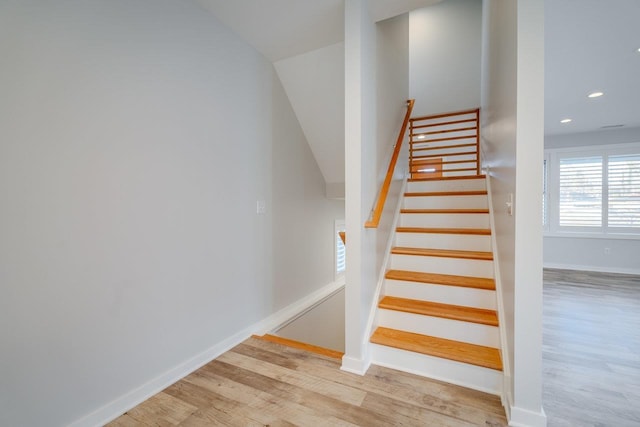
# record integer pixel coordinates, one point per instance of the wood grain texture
(446, 311)
(413, 150)
(444, 211)
(472, 231)
(441, 115)
(478, 355)
(451, 122)
(449, 178)
(384, 190)
(443, 253)
(262, 383)
(301, 345)
(442, 279)
(447, 193)
(591, 349)
(466, 153)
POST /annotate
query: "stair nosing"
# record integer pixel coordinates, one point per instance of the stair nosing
(446, 193)
(441, 310)
(446, 178)
(441, 279)
(378, 337)
(447, 230)
(443, 253)
(444, 211)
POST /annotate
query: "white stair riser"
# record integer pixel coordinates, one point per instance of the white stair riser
(446, 202)
(456, 330)
(454, 295)
(468, 242)
(440, 265)
(444, 220)
(463, 374)
(452, 185)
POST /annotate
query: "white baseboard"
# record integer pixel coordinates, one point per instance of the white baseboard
(354, 365)
(596, 269)
(525, 418)
(114, 409)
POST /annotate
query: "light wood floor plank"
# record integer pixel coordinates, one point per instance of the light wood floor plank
(264, 383)
(591, 363)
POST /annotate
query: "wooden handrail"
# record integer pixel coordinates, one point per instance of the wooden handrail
(384, 191)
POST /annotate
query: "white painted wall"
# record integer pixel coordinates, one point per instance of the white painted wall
(136, 138)
(589, 253)
(512, 139)
(314, 82)
(323, 325)
(303, 219)
(368, 75)
(445, 56)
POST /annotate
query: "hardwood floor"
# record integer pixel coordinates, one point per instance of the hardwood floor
(591, 349)
(261, 383)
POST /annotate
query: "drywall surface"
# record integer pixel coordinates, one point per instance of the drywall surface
(513, 126)
(586, 139)
(593, 254)
(323, 325)
(303, 218)
(136, 139)
(314, 82)
(368, 49)
(445, 56)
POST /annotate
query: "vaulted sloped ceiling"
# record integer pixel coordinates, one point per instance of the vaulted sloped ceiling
(304, 39)
(314, 82)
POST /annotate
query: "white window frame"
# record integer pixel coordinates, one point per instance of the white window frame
(339, 225)
(552, 226)
(546, 191)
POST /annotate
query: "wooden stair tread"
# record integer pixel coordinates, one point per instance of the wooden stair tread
(474, 231)
(442, 279)
(301, 346)
(445, 211)
(481, 316)
(447, 178)
(487, 357)
(443, 253)
(446, 193)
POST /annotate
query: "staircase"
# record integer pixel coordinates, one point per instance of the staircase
(437, 311)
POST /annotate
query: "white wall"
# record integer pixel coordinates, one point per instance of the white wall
(512, 140)
(322, 326)
(445, 56)
(369, 50)
(589, 253)
(314, 82)
(136, 137)
(303, 218)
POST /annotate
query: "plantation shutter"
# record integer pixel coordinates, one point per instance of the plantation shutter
(624, 191)
(581, 192)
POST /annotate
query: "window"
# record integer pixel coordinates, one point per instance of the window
(545, 193)
(581, 192)
(340, 257)
(624, 191)
(594, 191)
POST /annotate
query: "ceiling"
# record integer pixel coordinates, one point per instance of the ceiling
(280, 29)
(591, 45)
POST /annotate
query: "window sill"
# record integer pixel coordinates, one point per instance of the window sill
(583, 235)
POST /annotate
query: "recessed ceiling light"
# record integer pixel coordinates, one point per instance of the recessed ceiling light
(595, 94)
(565, 121)
(421, 137)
